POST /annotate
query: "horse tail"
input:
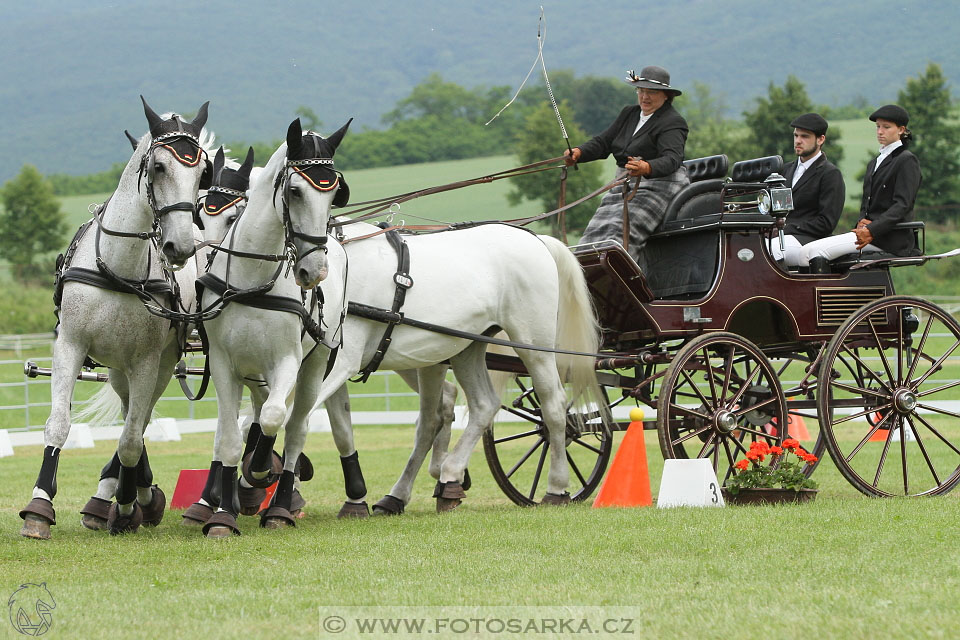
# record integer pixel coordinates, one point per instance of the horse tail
(577, 326)
(102, 408)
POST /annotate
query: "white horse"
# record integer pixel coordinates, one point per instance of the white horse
(221, 206)
(259, 336)
(478, 280)
(105, 405)
(144, 230)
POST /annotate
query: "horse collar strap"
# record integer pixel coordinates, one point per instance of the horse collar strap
(394, 316)
(260, 299)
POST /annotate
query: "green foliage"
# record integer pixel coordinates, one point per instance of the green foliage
(66, 185)
(936, 141)
(769, 123)
(27, 309)
(540, 139)
(595, 102)
(308, 119)
(710, 132)
(31, 222)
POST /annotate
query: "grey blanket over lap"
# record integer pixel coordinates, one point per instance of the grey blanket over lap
(646, 210)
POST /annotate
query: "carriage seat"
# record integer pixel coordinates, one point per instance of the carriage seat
(706, 176)
(843, 263)
(756, 170)
(702, 197)
(706, 168)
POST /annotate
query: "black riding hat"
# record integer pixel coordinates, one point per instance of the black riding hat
(811, 122)
(652, 77)
(892, 112)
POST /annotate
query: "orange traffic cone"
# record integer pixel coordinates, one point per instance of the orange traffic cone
(628, 481)
(880, 435)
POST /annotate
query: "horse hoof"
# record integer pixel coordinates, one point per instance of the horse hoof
(221, 524)
(218, 532)
(119, 523)
(388, 505)
(449, 495)
(445, 505)
(38, 516)
(297, 503)
(273, 474)
(36, 527)
(277, 518)
(467, 482)
(95, 514)
(197, 515)
(556, 499)
(354, 510)
(153, 512)
(250, 499)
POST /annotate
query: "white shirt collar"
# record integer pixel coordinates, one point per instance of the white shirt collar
(806, 165)
(886, 151)
(643, 121)
(889, 148)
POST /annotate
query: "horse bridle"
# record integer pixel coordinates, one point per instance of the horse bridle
(282, 184)
(147, 169)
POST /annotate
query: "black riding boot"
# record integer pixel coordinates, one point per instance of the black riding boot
(820, 265)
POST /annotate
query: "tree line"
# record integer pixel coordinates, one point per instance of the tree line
(440, 120)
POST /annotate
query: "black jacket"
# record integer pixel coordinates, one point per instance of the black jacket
(660, 142)
(817, 200)
(888, 197)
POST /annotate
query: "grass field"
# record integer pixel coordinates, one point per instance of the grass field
(843, 566)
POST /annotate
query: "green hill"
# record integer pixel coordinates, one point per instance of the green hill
(72, 71)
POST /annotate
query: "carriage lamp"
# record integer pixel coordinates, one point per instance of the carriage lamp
(780, 198)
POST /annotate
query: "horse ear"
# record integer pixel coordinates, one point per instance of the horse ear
(218, 162)
(294, 138)
(201, 118)
(152, 118)
(133, 141)
(337, 136)
(247, 165)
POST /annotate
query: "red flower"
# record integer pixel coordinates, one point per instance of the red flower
(775, 451)
(754, 455)
(800, 453)
(810, 458)
(791, 443)
(742, 465)
(760, 446)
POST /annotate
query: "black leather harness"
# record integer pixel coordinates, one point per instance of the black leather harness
(394, 317)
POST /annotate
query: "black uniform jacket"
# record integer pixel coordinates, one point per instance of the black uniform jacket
(817, 200)
(888, 197)
(660, 141)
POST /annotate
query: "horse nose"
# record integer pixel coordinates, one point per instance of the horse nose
(175, 255)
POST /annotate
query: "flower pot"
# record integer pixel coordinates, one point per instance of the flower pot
(764, 495)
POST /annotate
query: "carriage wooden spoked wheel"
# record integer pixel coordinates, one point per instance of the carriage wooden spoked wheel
(518, 455)
(719, 394)
(891, 428)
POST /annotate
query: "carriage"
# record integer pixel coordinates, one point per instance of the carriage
(727, 345)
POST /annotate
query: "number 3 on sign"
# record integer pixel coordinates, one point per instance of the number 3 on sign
(713, 489)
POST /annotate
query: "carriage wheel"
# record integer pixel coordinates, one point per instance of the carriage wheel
(519, 455)
(792, 368)
(718, 395)
(910, 442)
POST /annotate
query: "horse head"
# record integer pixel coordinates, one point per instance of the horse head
(174, 168)
(308, 186)
(226, 196)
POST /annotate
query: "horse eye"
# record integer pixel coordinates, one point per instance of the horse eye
(231, 219)
(158, 168)
(295, 192)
